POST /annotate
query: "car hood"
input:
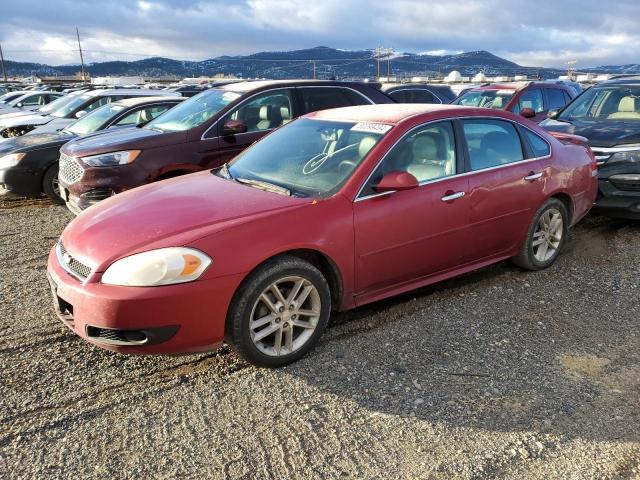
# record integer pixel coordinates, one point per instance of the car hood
(19, 113)
(32, 119)
(125, 139)
(27, 143)
(600, 134)
(53, 125)
(173, 212)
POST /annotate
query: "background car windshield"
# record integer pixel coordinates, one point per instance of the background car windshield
(485, 98)
(94, 120)
(71, 106)
(195, 111)
(309, 157)
(55, 105)
(615, 103)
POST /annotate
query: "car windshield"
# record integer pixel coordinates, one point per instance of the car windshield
(605, 103)
(94, 120)
(307, 157)
(485, 98)
(55, 105)
(70, 107)
(194, 112)
(7, 97)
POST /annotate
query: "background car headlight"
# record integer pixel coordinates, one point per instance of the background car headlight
(165, 266)
(630, 156)
(11, 160)
(111, 159)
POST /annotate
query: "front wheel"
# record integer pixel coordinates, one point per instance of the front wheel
(545, 237)
(279, 312)
(50, 185)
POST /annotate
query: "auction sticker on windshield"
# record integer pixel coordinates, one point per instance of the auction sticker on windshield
(369, 127)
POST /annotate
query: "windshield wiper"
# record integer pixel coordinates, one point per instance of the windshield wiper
(266, 186)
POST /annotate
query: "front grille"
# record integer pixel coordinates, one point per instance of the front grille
(117, 337)
(601, 156)
(71, 264)
(70, 169)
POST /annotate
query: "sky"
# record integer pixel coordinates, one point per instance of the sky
(529, 32)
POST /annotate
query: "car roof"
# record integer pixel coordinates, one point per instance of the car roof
(390, 113)
(126, 91)
(135, 101)
(434, 86)
(259, 84)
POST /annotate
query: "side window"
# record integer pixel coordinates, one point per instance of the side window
(98, 102)
(567, 97)
(34, 100)
(323, 98)
(427, 153)
(491, 143)
(556, 98)
(539, 146)
(355, 98)
(142, 115)
(399, 96)
(531, 98)
(264, 111)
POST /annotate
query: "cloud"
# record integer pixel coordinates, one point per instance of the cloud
(540, 33)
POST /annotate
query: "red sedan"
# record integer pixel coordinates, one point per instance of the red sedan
(334, 210)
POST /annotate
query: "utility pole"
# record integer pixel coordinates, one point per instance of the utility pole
(81, 58)
(4, 70)
(377, 54)
(571, 68)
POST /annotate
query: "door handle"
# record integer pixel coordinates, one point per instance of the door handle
(449, 197)
(533, 176)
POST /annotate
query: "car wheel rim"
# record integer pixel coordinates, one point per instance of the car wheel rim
(548, 235)
(285, 316)
(55, 185)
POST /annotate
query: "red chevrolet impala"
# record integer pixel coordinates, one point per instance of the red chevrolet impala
(334, 210)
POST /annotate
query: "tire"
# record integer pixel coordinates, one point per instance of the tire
(542, 244)
(298, 333)
(49, 184)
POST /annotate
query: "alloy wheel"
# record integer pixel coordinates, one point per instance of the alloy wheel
(547, 235)
(285, 316)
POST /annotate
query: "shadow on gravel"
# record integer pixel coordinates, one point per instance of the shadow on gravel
(500, 349)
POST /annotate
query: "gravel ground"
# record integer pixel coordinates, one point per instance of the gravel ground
(499, 374)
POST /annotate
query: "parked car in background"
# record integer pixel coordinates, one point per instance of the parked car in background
(29, 164)
(9, 96)
(608, 115)
(82, 104)
(204, 132)
(334, 210)
(45, 110)
(569, 83)
(29, 101)
(418, 93)
(530, 99)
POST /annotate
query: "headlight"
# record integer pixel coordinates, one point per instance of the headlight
(111, 159)
(629, 156)
(11, 160)
(165, 266)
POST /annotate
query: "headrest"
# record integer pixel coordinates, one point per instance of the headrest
(497, 102)
(366, 144)
(627, 104)
(265, 112)
(425, 148)
(284, 113)
(493, 138)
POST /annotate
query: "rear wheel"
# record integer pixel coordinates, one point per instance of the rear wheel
(279, 313)
(545, 237)
(50, 185)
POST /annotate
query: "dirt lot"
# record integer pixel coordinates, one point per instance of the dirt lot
(501, 374)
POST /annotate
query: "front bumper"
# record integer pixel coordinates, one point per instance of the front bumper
(617, 202)
(22, 181)
(176, 319)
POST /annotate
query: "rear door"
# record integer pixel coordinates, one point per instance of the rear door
(506, 183)
(403, 236)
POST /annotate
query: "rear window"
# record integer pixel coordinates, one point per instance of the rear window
(491, 143)
(539, 147)
(414, 95)
(323, 98)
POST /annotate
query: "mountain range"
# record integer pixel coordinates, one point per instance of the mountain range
(328, 63)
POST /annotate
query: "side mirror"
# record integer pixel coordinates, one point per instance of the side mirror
(233, 127)
(81, 113)
(553, 113)
(528, 112)
(396, 181)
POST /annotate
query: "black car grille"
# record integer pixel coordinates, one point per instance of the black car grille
(71, 264)
(117, 337)
(70, 169)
